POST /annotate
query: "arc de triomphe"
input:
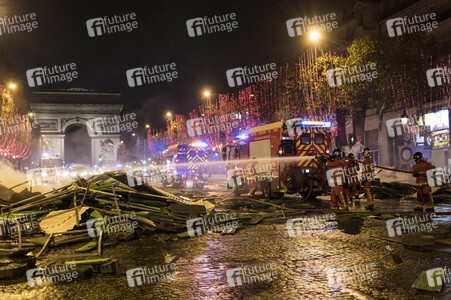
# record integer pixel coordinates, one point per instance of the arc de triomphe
(65, 118)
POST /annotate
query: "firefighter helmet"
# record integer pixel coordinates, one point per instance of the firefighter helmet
(350, 155)
(336, 153)
(418, 156)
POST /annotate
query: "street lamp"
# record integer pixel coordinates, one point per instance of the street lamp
(207, 93)
(314, 36)
(12, 85)
(147, 126)
(168, 114)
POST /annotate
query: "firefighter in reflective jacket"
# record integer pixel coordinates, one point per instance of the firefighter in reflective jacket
(336, 181)
(352, 177)
(368, 178)
(424, 191)
(321, 170)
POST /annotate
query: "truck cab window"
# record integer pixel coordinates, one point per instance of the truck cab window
(305, 139)
(319, 139)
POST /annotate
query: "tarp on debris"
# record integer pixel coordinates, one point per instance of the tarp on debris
(61, 220)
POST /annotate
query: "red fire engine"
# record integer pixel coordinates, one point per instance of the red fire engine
(279, 157)
(187, 160)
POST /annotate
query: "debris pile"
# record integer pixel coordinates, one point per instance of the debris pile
(100, 211)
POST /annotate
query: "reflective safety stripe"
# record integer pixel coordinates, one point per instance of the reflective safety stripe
(422, 183)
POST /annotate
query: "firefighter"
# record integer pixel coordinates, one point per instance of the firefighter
(352, 177)
(424, 191)
(368, 178)
(251, 177)
(336, 194)
(321, 161)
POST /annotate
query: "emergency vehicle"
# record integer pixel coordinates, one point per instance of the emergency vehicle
(280, 157)
(185, 165)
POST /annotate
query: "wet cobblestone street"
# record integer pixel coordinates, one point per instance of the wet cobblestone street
(302, 263)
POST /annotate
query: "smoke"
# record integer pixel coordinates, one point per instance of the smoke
(11, 177)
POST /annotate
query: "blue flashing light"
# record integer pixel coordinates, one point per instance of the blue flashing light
(243, 136)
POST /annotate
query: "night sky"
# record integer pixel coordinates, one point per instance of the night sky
(161, 38)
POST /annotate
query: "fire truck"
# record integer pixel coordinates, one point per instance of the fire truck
(280, 157)
(185, 165)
